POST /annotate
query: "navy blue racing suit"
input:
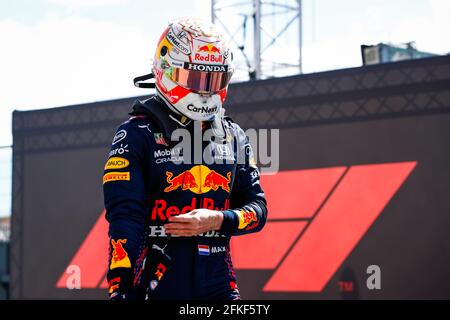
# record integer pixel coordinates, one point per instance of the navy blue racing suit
(148, 178)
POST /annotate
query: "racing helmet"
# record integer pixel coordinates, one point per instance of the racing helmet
(192, 68)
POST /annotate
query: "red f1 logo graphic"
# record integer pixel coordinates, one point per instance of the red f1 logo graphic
(316, 218)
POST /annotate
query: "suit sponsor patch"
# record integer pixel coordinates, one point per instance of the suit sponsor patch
(119, 257)
(120, 135)
(116, 176)
(116, 163)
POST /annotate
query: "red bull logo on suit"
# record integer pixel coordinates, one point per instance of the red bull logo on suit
(199, 179)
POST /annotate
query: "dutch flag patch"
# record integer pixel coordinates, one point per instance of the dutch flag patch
(203, 250)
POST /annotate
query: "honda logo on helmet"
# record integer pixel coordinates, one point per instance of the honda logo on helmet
(205, 67)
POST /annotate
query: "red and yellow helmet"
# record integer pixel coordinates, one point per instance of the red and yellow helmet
(193, 67)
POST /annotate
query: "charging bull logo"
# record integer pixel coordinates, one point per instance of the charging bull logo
(246, 218)
(119, 257)
(208, 53)
(199, 179)
(185, 180)
(209, 48)
(215, 181)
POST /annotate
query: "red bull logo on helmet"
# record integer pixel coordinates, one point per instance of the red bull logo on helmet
(199, 179)
(208, 48)
(208, 53)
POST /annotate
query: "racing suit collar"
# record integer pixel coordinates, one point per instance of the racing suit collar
(168, 121)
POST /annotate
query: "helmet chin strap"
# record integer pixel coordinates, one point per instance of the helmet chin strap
(139, 81)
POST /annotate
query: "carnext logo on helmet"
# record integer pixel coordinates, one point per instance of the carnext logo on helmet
(205, 67)
(173, 39)
(204, 109)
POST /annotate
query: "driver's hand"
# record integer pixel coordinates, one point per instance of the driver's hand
(194, 223)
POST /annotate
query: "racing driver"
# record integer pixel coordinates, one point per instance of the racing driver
(171, 213)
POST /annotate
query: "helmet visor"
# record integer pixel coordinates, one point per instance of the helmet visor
(201, 80)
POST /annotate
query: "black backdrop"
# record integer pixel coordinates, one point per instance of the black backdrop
(388, 113)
